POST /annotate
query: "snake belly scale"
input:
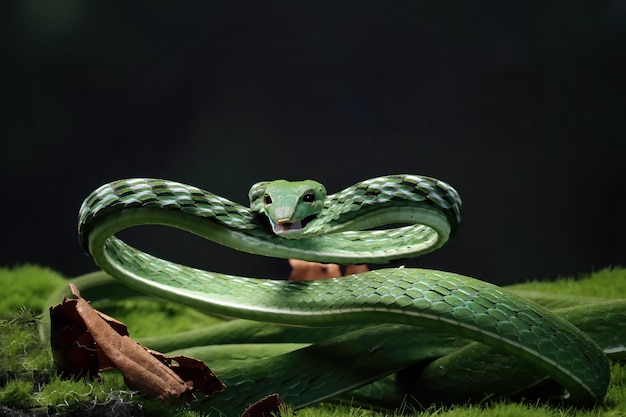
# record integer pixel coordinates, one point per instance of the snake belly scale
(345, 227)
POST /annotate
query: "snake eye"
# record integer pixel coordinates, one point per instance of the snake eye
(308, 198)
(267, 199)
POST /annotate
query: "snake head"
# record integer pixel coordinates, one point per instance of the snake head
(290, 206)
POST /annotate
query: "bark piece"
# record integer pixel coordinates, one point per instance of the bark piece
(356, 269)
(312, 271)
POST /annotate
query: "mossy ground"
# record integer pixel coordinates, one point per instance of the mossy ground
(29, 385)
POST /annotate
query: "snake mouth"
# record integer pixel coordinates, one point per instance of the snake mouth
(286, 227)
(282, 227)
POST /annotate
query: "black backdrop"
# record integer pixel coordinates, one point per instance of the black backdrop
(520, 106)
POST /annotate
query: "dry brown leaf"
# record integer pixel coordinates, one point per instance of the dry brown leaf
(84, 341)
(74, 350)
(312, 271)
(265, 407)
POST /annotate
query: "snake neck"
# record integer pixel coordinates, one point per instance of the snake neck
(418, 215)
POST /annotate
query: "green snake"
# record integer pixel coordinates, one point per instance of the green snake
(374, 221)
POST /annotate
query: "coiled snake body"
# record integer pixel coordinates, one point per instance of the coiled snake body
(298, 220)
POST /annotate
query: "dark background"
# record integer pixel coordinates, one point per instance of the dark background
(520, 106)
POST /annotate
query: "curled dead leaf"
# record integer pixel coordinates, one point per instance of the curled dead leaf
(85, 341)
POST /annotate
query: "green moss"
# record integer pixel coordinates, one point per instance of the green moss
(67, 394)
(21, 350)
(607, 283)
(28, 286)
(17, 394)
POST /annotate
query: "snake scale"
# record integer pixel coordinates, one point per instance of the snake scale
(374, 221)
